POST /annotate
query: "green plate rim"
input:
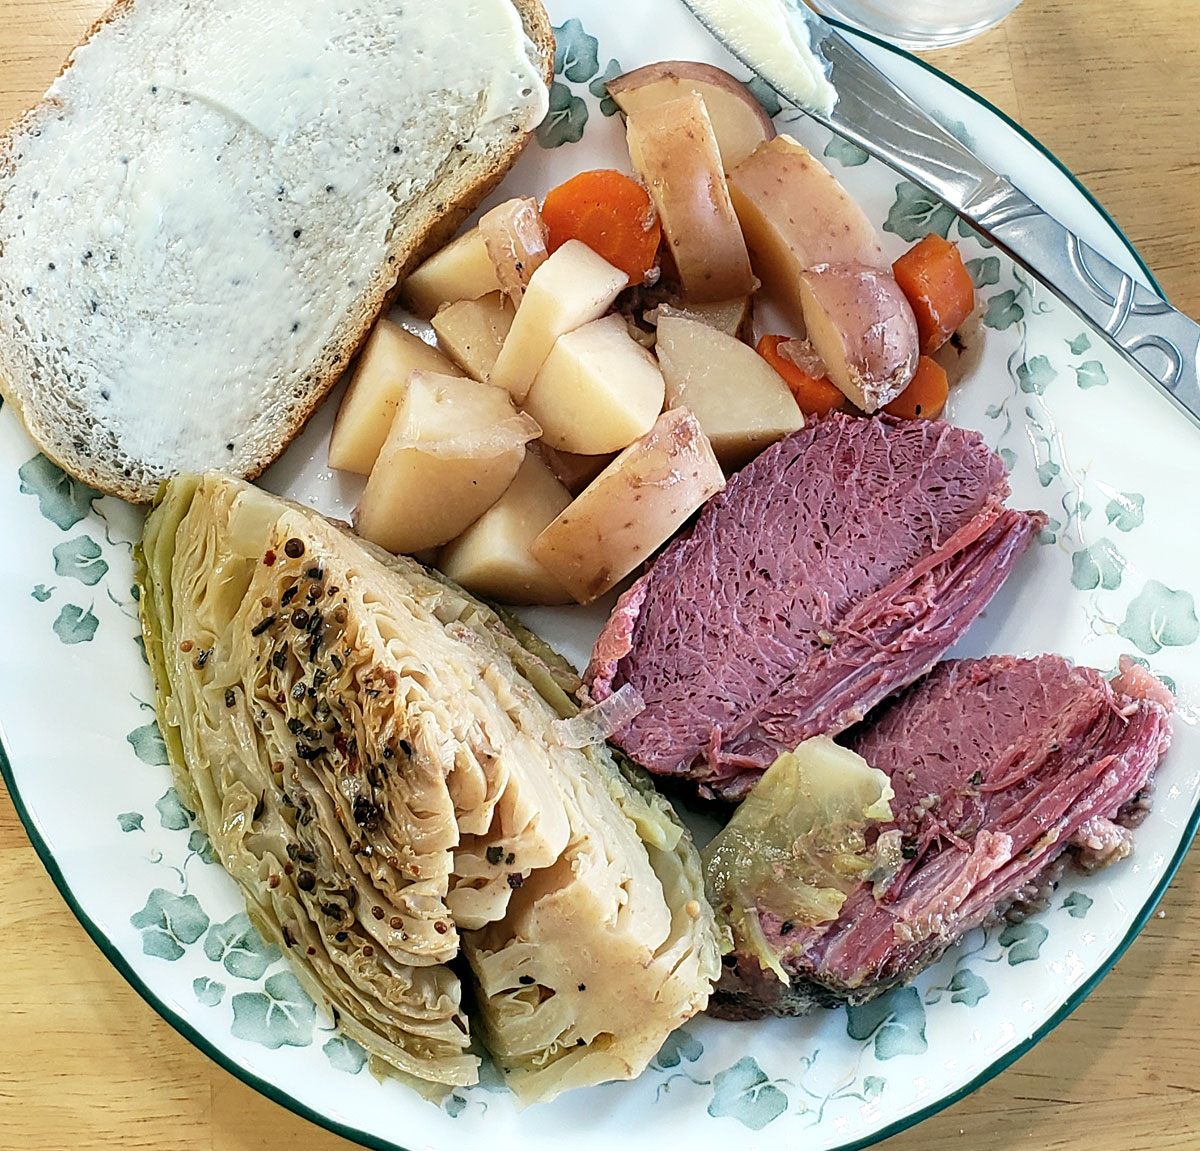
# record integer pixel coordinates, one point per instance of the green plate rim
(364, 1138)
(1006, 1060)
(111, 952)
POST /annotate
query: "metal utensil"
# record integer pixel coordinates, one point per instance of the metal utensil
(870, 111)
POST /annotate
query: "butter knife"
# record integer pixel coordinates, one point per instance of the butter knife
(771, 37)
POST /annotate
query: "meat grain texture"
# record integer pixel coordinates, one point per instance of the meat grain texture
(833, 571)
(1001, 767)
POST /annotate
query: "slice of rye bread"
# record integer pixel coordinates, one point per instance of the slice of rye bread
(213, 203)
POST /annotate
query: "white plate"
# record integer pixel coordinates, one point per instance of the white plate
(1114, 466)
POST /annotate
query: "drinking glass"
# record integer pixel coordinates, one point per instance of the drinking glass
(917, 24)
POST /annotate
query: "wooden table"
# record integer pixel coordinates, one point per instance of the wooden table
(1114, 91)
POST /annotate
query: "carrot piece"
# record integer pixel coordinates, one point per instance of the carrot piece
(925, 396)
(609, 212)
(939, 288)
(814, 397)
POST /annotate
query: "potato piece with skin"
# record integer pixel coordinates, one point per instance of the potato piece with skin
(572, 287)
(863, 327)
(742, 403)
(491, 558)
(738, 120)
(453, 448)
(516, 239)
(795, 215)
(378, 384)
(598, 390)
(673, 147)
(633, 507)
(472, 332)
(462, 270)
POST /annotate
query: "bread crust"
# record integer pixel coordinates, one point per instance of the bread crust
(438, 213)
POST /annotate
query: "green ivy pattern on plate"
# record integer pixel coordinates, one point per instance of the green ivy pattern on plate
(268, 1006)
(1153, 617)
(851, 1070)
(577, 76)
(248, 978)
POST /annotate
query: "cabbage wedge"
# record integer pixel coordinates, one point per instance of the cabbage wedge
(373, 754)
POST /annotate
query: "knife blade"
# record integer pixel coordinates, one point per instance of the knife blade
(1158, 340)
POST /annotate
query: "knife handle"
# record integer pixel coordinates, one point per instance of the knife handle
(1162, 340)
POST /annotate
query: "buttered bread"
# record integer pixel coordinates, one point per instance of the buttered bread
(213, 203)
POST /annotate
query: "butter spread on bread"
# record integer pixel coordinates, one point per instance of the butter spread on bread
(201, 220)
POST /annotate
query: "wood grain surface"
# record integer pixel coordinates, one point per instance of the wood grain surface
(1114, 92)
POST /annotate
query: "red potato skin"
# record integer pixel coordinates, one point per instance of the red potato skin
(724, 95)
(864, 329)
(795, 215)
(673, 148)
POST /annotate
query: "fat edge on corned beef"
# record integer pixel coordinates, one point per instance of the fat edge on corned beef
(832, 571)
(1000, 767)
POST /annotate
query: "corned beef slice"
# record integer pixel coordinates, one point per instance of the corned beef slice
(999, 765)
(832, 571)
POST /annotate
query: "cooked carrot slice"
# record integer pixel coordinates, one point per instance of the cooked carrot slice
(939, 288)
(815, 397)
(609, 212)
(925, 396)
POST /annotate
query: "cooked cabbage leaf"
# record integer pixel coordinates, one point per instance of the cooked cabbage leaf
(797, 846)
(372, 753)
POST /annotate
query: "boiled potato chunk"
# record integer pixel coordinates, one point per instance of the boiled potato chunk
(738, 120)
(572, 287)
(491, 558)
(728, 316)
(598, 390)
(742, 403)
(633, 507)
(673, 147)
(380, 378)
(462, 270)
(862, 326)
(453, 448)
(795, 215)
(472, 332)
